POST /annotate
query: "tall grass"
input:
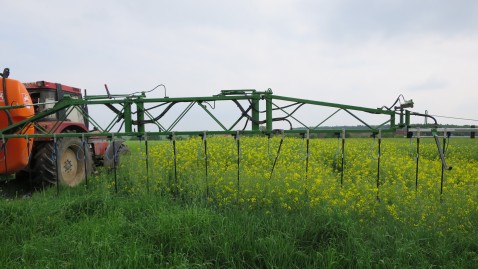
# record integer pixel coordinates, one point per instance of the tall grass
(98, 229)
(95, 227)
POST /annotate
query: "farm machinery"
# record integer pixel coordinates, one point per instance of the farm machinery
(47, 158)
(45, 127)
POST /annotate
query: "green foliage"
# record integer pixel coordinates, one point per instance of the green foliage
(279, 222)
(97, 229)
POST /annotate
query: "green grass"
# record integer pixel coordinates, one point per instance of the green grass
(96, 228)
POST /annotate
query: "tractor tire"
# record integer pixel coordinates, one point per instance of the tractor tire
(69, 162)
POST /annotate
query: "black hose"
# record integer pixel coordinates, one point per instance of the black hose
(247, 116)
(5, 74)
(426, 116)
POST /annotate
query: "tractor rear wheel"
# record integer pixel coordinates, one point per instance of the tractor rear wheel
(69, 160)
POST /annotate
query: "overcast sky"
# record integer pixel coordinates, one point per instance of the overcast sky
(362, 53)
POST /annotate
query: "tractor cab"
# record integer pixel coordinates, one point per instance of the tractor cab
(45, 94)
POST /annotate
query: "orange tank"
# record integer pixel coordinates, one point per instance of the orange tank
(15, 152)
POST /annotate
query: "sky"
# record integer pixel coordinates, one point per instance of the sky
(363, 53)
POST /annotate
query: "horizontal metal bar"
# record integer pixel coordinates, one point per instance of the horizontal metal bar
(192, 133)
(429, 136)
(200, 99)
(320, 103)
(452, 130)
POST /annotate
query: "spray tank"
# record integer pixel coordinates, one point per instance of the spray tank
(14, 152)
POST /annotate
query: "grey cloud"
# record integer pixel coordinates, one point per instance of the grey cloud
(431, 84)
(295, 47)
(391, 19)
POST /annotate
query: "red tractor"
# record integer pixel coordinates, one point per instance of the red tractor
(65, 160)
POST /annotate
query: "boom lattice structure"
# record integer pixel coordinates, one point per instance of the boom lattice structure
(123, 106)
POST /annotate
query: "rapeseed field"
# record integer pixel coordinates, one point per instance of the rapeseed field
(258, 172)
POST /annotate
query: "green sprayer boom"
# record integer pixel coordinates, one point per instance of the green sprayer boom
(124, 105)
